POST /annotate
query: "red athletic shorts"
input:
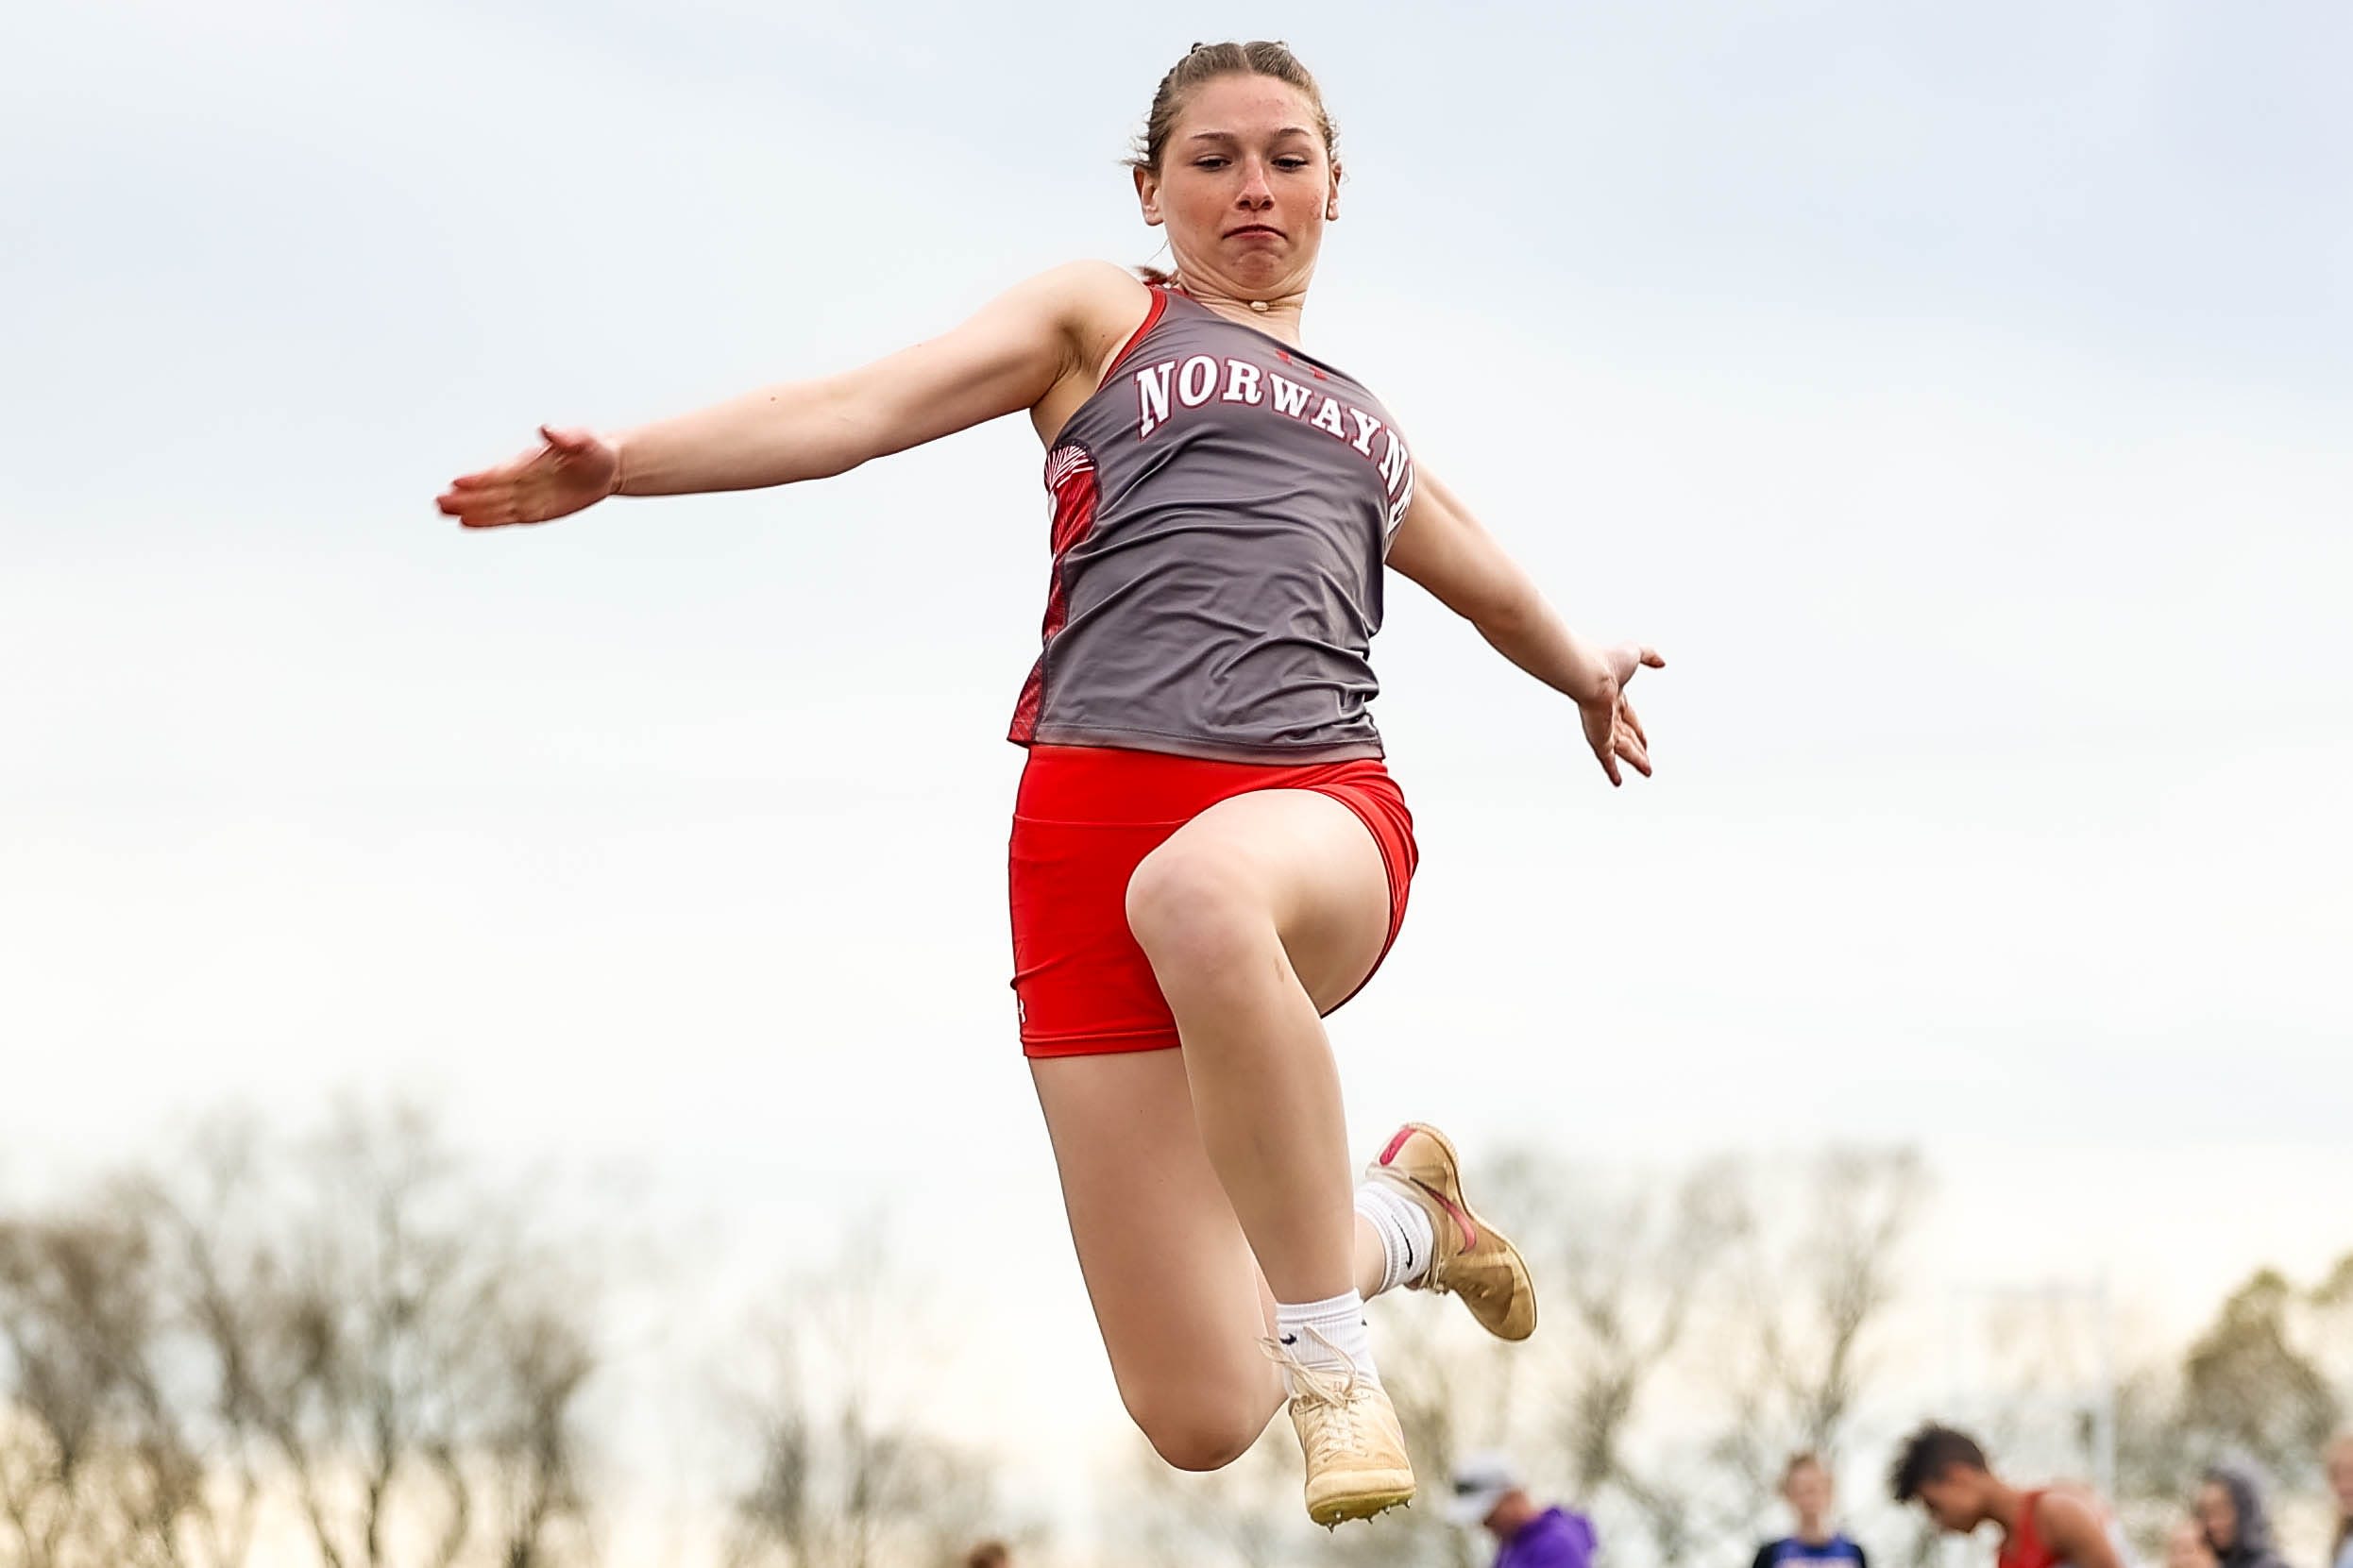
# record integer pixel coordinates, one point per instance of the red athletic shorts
(1086, 816)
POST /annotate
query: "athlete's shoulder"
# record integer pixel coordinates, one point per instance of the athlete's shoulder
(2067, 1515)
(1107, 273)
(2065, 1500)
(1090, 285)
(1095, 304)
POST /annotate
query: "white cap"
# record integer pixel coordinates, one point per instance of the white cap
(1479, 1483)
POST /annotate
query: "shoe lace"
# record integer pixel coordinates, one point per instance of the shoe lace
(1335, 1386)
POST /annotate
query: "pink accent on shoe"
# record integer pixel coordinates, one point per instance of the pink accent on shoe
(1395, 1145)
(1470, 1232)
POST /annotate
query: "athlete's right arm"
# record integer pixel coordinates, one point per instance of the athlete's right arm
(1008, 356)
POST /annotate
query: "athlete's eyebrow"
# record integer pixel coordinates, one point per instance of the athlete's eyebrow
(1229, 135)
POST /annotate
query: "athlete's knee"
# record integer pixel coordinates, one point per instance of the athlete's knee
(1202, 1449)
(1196, 910)
(1191, 1435)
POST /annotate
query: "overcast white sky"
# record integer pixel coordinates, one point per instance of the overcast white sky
(1962, 398)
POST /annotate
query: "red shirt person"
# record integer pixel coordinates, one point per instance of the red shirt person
(1946, 1473)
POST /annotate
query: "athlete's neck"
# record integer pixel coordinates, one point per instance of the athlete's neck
(2007, 1507)
(1278, 316)
(1815, 1532)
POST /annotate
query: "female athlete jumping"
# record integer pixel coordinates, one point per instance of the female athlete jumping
(1208, 854)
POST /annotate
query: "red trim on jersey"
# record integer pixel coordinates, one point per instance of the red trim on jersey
(1071, 477)
(2026, 1547)
(1151, 319)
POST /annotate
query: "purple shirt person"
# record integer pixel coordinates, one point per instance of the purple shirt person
(1487, 1492)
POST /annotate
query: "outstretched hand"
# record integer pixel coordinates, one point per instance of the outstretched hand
(566, 471)
(1611, 727)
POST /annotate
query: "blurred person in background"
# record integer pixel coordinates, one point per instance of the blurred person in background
(2186, 1547)
(2237, 1527)
(1946, 1473)
(1488, 1493)
(2338, 1459)
(1807, 1487)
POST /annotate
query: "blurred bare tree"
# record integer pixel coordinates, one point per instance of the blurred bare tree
(1247, 1515)
(353, 1330)
(1697, 1325)
(97, 1462)
(847, 1473)
(1627, 1265)
(2155, 1472)
(352, 1350)
(1819, 1265)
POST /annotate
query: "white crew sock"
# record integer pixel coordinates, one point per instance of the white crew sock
(1403, 1226)
(1325, 1334)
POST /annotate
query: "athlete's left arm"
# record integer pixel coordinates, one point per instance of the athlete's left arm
(2076, 1532)
(1442, 547)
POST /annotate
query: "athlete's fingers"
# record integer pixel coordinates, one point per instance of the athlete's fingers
(1605, 754)
(459, 503)
(1635, 753)
(484, 479)
(509, 472)
(1651, 657)
(493, 514)
(1626, 715)
(480, 487)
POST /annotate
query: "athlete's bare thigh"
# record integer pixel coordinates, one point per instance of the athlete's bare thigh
(1175, 1288)
(1292, 858)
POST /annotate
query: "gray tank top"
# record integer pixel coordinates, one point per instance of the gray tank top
(1222, 506)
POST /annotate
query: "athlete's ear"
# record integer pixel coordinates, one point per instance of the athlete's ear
(1332, 202)
(1148, 195)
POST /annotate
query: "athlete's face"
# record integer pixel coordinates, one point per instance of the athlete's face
(1244, 188)
(1954, 1500)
